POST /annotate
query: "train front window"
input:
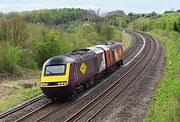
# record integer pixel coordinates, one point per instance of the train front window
(55, 70)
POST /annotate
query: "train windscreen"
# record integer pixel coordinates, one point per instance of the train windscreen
(55, 70)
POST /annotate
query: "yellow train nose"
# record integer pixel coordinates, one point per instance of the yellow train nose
(55, 80)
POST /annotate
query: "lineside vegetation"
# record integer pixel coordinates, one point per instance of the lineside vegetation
(165, 106)
(28, 39)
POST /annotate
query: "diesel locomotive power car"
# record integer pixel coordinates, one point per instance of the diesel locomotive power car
(67, 75)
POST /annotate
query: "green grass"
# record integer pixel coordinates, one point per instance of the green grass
(165, 106)
(160, 21)
(15, 94)
(12, 92)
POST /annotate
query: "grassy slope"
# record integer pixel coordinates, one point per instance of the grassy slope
(165, 106)
(12, 92)
(16, 94)
(126, 40)
(160, 21)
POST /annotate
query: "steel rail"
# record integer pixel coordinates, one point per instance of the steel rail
(11, 111)
(139, 71)
(131, 50)
(31, 113)
(93, 103)
(47, 114)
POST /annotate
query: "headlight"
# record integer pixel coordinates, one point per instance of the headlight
(44, 84)
(54, 83)
(62, 83)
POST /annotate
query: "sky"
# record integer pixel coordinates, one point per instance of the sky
(136, 6)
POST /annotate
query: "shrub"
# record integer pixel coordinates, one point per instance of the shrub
(108, 32)
(13, 30)
(27, 59)
(46, 46)
(177, 25)
(9, 58)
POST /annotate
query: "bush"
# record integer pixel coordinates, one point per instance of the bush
(177, 25)
(27, 60)
(13, 30)
(46, 46)
(9, 58)
(108, 32)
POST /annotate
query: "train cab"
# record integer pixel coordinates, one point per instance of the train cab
(56, 76)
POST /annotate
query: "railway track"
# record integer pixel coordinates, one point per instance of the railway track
(32, 113)
(42, 110)
(22, 106)
(131, 50)
(127, 77)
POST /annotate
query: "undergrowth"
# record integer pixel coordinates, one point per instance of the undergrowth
(15, 94)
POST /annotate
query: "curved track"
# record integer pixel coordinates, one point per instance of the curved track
(48, 109)
(109, 94)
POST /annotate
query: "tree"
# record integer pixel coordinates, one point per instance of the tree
(169, 11)
(13, 30)
(151, 14)
(97, 21)
(46, 46)
(1, 14)
(117, 18)
(177, 25)
(54, 16)
(108, 32)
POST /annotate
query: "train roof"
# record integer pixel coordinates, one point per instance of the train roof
(96, 49)
(61, 59)
(109, 45)
(75, 56)
(112, 44)
(81, 54)
(102, 46)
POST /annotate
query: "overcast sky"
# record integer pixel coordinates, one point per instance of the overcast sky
(137, 6)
